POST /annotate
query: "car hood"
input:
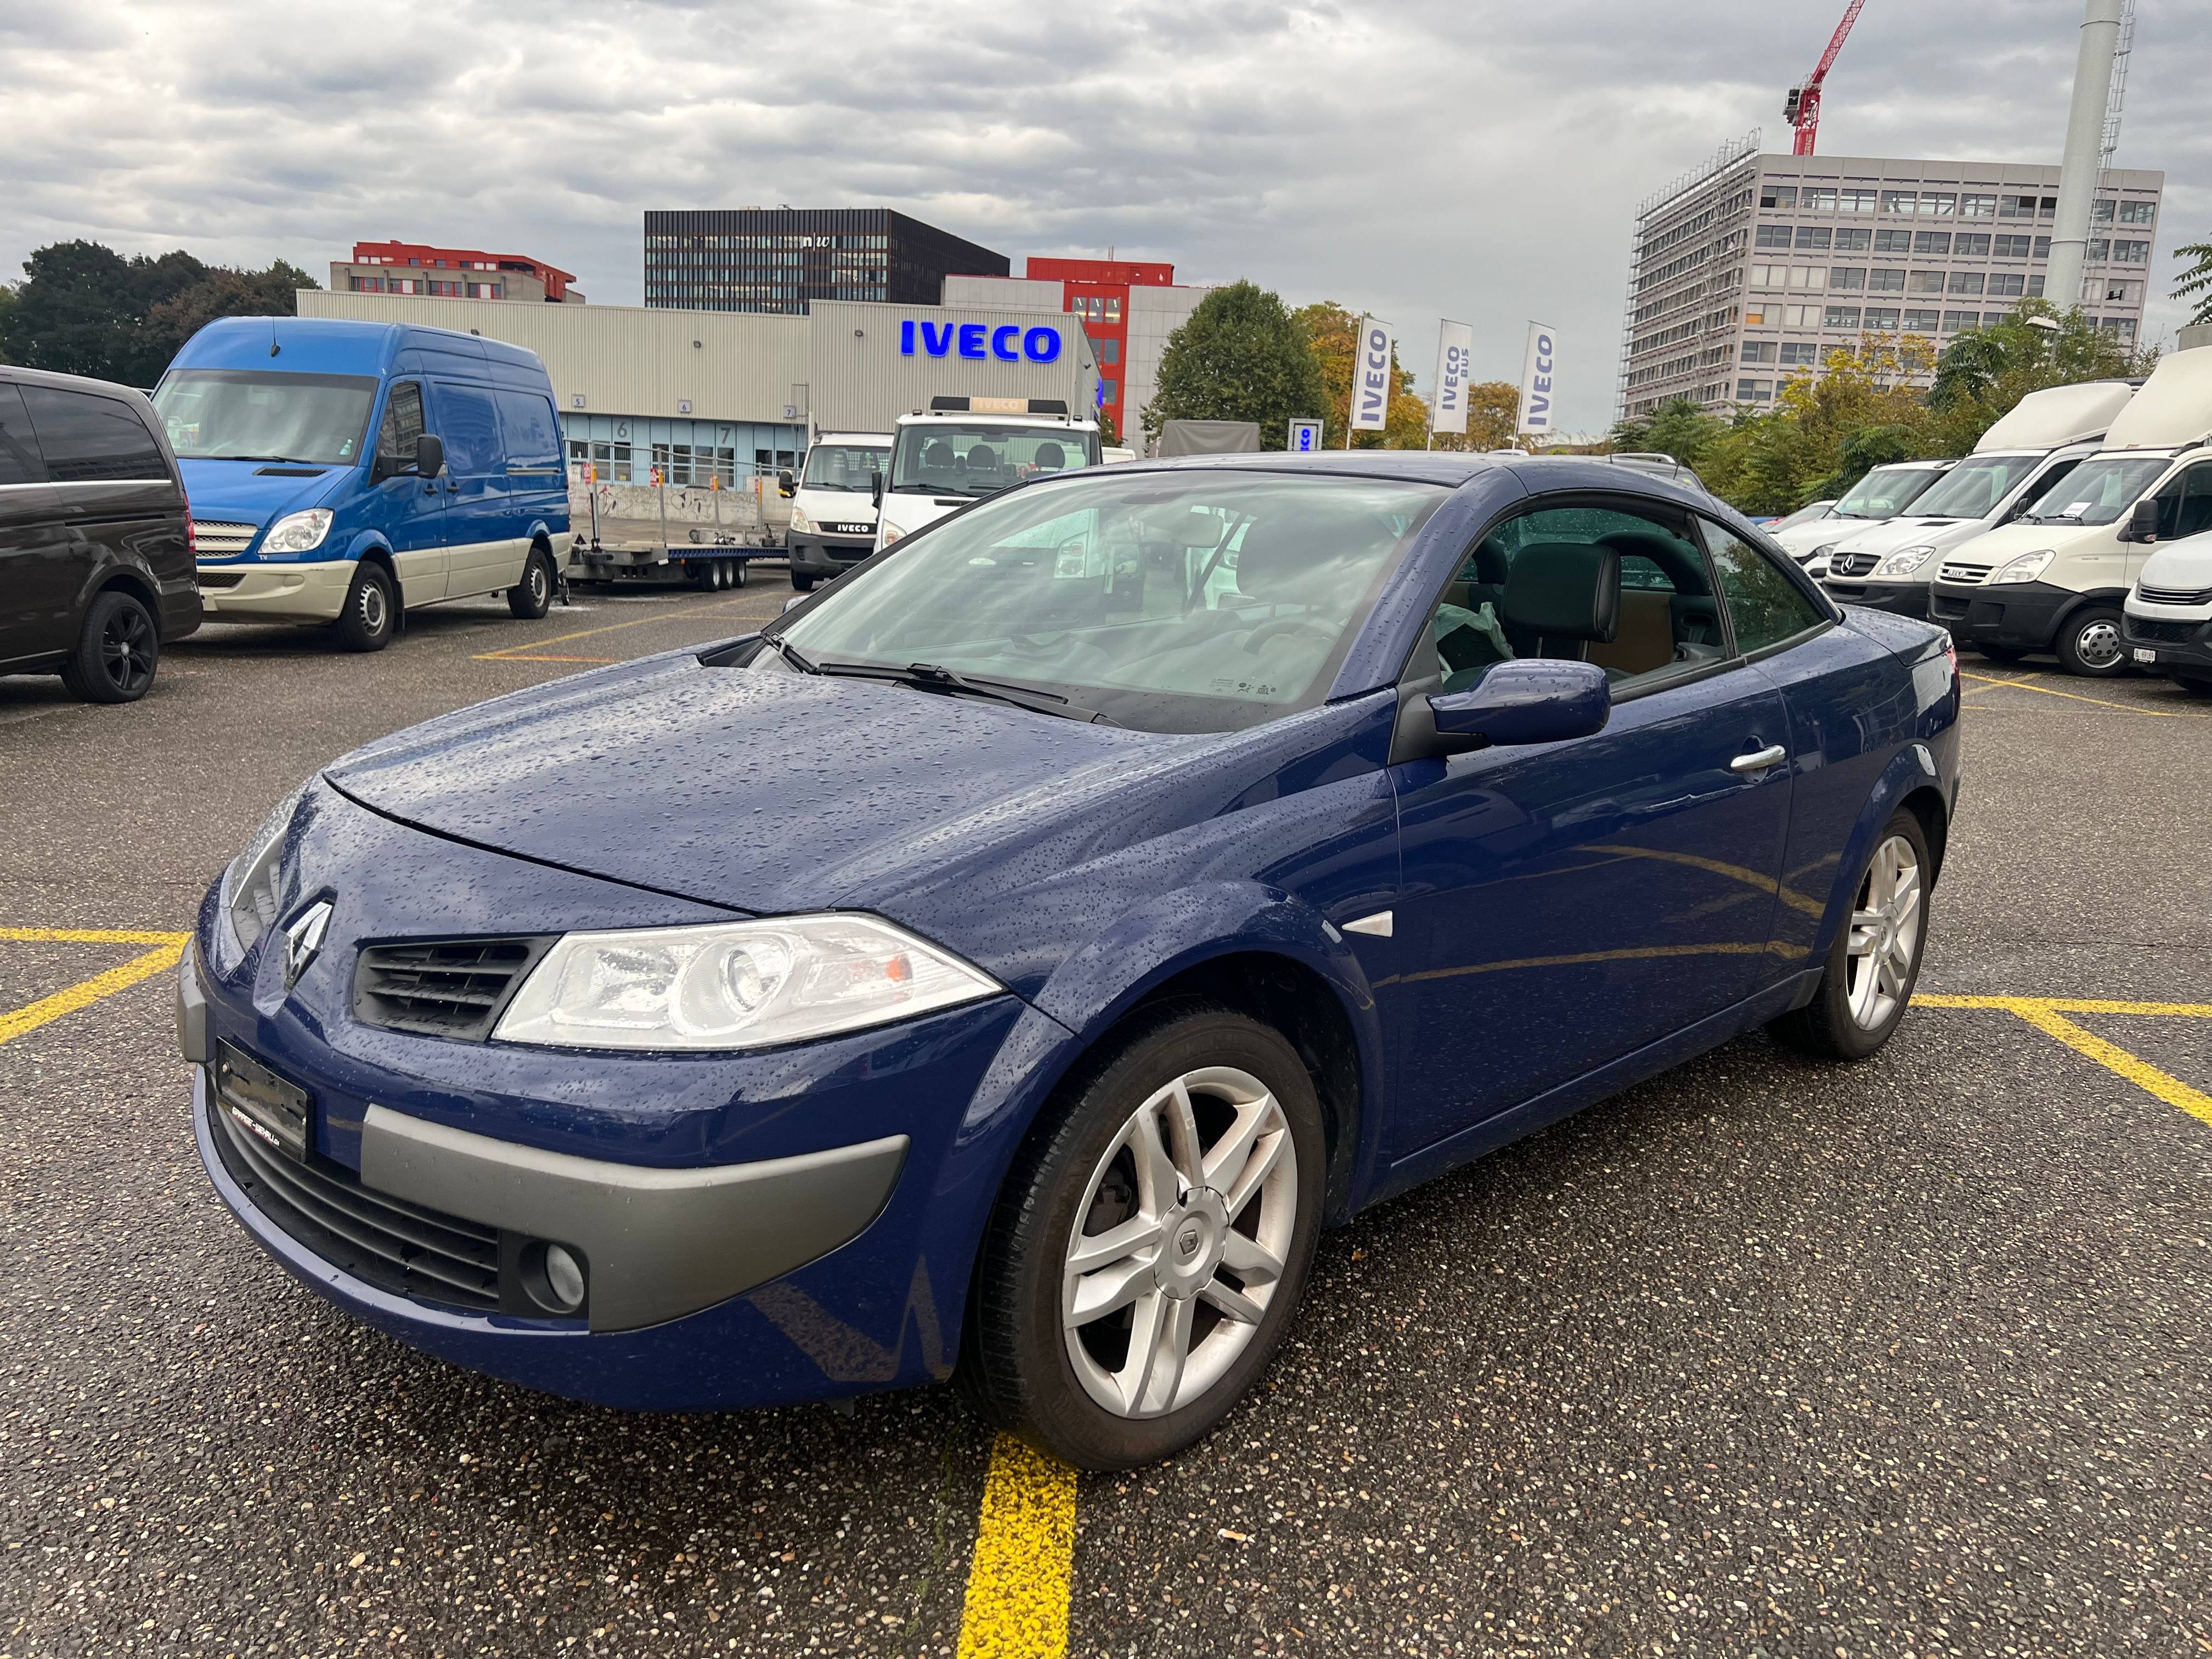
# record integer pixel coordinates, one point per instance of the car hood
(1890, 534)
(2185, 564)
(770, 792)
(255, 492)
(2014, 539)
(1801, 539)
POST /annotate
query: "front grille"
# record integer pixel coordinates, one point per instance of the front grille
(220, 538)
(1853, 564)
(1967, 575)
(446, 987)
(401, 1247)
(2176, 595)
(2159, 633)
(220, 578)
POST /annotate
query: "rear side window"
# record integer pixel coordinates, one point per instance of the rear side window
(19, 445)
(1766, 605)
(469, 423)
(86, 438)
(526, 422)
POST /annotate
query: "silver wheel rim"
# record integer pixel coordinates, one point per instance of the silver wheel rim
(2098, 645)
(372, 607)
(537, 580)
(1180, 1244)
(1885, 934)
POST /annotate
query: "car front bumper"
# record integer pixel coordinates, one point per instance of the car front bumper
(276, 593)
(2179, 646)
(827, 555)
(1902, 598)
(2016, 615)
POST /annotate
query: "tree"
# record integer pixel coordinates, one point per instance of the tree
(2197, 280)
(1333, 333)
(1108, 434)
(1239, 356)
(7, 304)
(1494, 408)
(1681, 427)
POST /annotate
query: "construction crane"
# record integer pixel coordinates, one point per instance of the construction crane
(1801, 109)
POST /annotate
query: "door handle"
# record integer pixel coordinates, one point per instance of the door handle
(1759, 761)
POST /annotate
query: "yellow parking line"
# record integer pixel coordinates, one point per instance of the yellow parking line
(84, 994)
(2101, 703)
(2048, 1015)
(89, 936)
(1019, 1580)
(512, 651)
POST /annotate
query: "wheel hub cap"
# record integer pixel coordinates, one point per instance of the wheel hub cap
(1197, 1229)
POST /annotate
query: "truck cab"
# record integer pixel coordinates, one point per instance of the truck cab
(1879, 496)
(833, 505)
(962, 449)
(2043, 438)
(2057, 577)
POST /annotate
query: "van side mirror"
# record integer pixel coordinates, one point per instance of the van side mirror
(1532, 700)
(429, 455)
(876, 489)
(2142, 521)
(784, 487)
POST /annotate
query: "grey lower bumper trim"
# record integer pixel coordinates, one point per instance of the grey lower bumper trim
(191, 1010)
(657, 1244)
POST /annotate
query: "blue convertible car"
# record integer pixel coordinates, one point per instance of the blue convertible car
(1005, 963)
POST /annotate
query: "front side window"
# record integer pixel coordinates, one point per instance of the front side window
(228, 414)
(2184, 504)
(2098, 491)
(1186, 602)
(88, 438)
(852, 468)
(1766, 607)
(401, 427)
(964, 457)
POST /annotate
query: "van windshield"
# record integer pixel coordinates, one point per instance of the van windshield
(843, 466)
(248, 415)
(1972, 489)
(2097, 491)
(948, 457)
(1886, 492)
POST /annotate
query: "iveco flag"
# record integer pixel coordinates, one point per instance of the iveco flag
(1536, 405)
(1455, 350)
(1370, 376)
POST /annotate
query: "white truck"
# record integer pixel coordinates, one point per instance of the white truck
(2168, 625)
(2056, 578)
(2039, 442)
(961, 449)
(833, 505)
(1878, 498)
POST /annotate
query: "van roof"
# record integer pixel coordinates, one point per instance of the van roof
(2058, 415)
(332, 345)
(2173, 408)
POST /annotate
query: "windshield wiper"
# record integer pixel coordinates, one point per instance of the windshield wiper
(789, 653)
(928, 676)
(293, 460)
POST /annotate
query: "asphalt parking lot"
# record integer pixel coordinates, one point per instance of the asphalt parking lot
(1762, 1358)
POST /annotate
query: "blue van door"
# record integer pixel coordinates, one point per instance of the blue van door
(484, 545)
(538, 479)
(409, 509)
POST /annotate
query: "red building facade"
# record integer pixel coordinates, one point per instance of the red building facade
(1097, 290)
(454, 272)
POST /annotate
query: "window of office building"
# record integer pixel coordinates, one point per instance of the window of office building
(2137, 213)
(1814, 236)
(1755, 391)
(1817, 198)
(1854, 199)
(2130, 253)
(1882, 317)
(1964, 282)
(1885, 282)
(1778, 196)
(1758, 351)
(1921, 322)
(1893, 242)
(1931, 241)
(1924, 281)
(1771, 236)
(1899, 201)
(1800, 316)
(1955, 321)
(1841, 317)
(1847, 276)
(1968, 246)
(2013, 248)
(1977, 207)
(1942, 202)
(1854, 239)
(1799, 353)
(2007, 282)
(2118, 291)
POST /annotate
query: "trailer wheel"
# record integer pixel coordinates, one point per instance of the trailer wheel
(737, 572)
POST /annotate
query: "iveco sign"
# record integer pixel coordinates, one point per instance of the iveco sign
(1008, 342)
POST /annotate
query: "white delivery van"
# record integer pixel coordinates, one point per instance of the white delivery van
(2168, 623)
(962, 449)
(2056, 577)
(2044, 437)
(1879, 496)
(833, 505)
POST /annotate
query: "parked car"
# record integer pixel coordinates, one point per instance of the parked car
(833, 505)
(2168, 615)
(347, 473)
(1810, 512)
(96, 535)
(1211, 850)
(1884, 492)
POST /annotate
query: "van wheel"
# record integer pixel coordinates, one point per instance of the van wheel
(116, 651)
(371, 610)
(530, 598)
(802, 584)
(1151, 1243)
(2000, 653)
(2089, 643)
(1875, 961)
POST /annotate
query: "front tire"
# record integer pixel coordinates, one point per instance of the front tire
(531, 598)
(1875, 961)
(117, 650)
(802, 584)
(371, 613)
(1151, 1242)
(2089, 643)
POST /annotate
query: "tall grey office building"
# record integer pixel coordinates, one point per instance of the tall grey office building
(1752, 267)
(776, 259)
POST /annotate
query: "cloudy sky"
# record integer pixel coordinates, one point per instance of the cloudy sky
(1415, 158)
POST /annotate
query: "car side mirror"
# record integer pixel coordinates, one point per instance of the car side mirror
(1534, 700)
(2142, 521)
(784, 487)
(876, 489)
(795, 599)
(429, 455)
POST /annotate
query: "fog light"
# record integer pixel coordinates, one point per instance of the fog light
(553, 1274)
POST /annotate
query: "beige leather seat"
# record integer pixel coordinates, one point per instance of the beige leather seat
(1646, 638)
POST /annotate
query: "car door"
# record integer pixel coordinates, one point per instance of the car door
(115, 500)
(479, 538)
(410, 508)
(537, 483)
(1566, 904)
(2185, 508)
(31, 535)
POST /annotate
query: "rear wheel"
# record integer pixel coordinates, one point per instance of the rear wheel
(116, 651)
(2089, 643)
(1875, 960)
(532, 596)
(737, 572)
(372, 610)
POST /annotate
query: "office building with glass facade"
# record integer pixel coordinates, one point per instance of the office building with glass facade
(776, 259)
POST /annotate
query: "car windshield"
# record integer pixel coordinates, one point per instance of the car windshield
(1886, 492)
(1172, 602)
(963, 458)
(249, 414)
(1804, 515)
(2097, 491)
(849, 467)
(1972, 489)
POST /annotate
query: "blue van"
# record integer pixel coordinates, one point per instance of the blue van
(346, 472)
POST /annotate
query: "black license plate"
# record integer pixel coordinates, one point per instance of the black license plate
(261, 1103)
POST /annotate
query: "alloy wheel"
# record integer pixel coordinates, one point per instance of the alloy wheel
(1186, 1226)
(126, 649)
(1885, 936)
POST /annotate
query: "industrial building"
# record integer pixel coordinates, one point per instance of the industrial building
(697, 396)
(1752, 268)
(1128, 309)
(779, 260)
(454, 273)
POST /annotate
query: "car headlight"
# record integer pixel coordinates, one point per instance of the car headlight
(2025, 568)
(298, 532)
(799, 521)
(1904, 562)
(734, 984)
(891, 532)
(249, 895)
(1823, 550)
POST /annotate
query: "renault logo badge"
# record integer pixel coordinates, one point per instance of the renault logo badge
(303, 937)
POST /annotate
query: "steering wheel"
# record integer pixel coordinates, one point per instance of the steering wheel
(1279, 625)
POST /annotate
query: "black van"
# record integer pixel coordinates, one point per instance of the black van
(96, 563)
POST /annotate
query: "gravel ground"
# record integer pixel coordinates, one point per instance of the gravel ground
(1763, 1357)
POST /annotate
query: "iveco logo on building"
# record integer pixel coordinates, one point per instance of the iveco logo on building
(1039, 346)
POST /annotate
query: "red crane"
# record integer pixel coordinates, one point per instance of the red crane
(1801, 109)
